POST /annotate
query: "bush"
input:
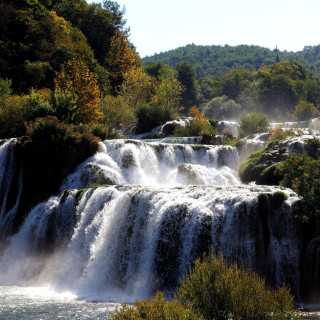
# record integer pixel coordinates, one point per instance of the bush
(155, 309)
(222, 108)
(150, 116)
(65, 106)
(5, 88)
(117, 113)
(302, 175)
(12, 117)
(101, 131)
(253, 123)
(217, 291)
(36, 106)
(269, 176)
(305, 111)
(277, 134)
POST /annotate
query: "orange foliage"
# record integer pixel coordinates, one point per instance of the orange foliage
(83, 85)
(120, 58)
(198, 115)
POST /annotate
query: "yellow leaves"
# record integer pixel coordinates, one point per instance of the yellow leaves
(198, 115)
(137, 87)
(83, 85)
(60, 22)
(120, 58)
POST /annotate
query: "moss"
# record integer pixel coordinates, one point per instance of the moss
(251, 167)
(273, 143)
(64, 196)
(278, 198)
(269, 176)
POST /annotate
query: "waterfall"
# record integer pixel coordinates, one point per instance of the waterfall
(138, 239)
(8, 206)
(157, 207)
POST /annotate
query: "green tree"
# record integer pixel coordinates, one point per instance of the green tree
(168, 92)
(187, 77)
(222, 108)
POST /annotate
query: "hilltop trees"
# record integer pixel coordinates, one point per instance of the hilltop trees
(212, 61)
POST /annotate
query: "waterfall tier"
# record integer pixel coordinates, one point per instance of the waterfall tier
(135, 239)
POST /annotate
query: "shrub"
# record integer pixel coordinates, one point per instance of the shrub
(199, 126)
(149, 116)
(12, 117)
(222, 108)
(302, 175)
(117, 113)
(217, 291)
(155, 309)
(253, 123)
(227, 133)
(36, 106)
(5, 88)
(101, 131)
(269, 176)
(305, 111)
(65, 106)
(277, 134)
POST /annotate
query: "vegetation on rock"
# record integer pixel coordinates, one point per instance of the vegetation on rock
(50, 152)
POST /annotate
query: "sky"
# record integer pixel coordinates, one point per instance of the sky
(158, 26)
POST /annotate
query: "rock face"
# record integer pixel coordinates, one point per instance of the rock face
(260, 166)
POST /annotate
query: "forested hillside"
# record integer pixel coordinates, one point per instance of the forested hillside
(210, 61)
(73, 61)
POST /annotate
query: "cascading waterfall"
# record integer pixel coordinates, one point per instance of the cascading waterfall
(159, 207)
(8, 207)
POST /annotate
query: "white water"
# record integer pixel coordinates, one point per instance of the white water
(41, 303)
(165, 205)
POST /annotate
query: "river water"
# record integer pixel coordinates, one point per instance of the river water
(18, 303)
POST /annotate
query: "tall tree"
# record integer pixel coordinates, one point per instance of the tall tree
(120, 59)
(187, 77)
(168, 93)
(83, 85)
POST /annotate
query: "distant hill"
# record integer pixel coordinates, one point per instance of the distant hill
(211, 61)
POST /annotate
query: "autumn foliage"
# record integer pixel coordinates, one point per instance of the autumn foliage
(76, 79)
(120, 58)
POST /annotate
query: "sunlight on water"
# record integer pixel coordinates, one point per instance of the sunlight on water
(42, 303)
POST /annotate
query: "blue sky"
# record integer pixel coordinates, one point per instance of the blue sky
(163, 25)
